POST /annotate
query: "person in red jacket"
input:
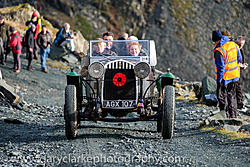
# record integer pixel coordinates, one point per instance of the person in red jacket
(15, 45)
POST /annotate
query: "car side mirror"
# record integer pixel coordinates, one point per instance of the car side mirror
(152, 53)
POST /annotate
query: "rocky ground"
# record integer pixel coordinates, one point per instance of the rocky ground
(35, 136)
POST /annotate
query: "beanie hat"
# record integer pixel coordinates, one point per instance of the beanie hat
(12, 29)
(216, 35)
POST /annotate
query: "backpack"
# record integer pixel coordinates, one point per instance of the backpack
(24, 40)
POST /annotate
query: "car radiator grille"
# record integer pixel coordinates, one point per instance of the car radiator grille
(125, 91)
(120, 65)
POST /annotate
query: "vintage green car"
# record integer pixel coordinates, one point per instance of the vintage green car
(119, 80)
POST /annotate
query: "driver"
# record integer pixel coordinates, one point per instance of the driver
(99, 49)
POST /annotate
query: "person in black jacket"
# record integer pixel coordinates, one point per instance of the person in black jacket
(30, 43)
(44, 42)
(239, 92)
(35, 20)
(4, 40)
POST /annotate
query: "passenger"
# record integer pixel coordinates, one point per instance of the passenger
(15, 44)
(109, 36)
(64, 37)
(132, 37)
(124, 35)
(135, 39)
(44, 41)
(35, 20)
(5, 38)
(121, 47)
(121, 38)
(30, 43)
(135, 49)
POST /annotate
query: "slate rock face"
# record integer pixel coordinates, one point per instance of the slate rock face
(181, 29)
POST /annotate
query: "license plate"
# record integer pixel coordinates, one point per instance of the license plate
(119, 104)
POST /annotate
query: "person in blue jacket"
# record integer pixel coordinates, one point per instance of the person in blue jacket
(227, 56)
(64, 37)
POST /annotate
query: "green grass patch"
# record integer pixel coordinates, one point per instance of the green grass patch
(57, 65)
(231, 135)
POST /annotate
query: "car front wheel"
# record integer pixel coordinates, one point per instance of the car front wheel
(70, 112)
(168, 112)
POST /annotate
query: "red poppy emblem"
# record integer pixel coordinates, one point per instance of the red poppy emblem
(119, 79)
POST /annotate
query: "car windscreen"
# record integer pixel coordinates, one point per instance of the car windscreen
(119, 48)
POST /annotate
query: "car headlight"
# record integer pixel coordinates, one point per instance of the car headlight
(96, 70)
(142, 70)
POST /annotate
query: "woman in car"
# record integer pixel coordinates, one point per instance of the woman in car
(135, 49)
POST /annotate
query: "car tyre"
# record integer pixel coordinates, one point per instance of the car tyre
(70, 112)
(168, 112)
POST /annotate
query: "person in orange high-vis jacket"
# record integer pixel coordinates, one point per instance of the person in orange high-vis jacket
(226, 56)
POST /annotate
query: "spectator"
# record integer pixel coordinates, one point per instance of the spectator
(64, 37)
(35, 20)
(4, 40)
(226, 56)
(15, 44)
(30, 43)
(239, 94)
(240, 42)
(44, 42)
(227, 33)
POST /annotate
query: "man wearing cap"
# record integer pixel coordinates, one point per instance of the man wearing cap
(30, 43)
(35, 20)
(4, 40)
(226, 55)
(15, 44)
